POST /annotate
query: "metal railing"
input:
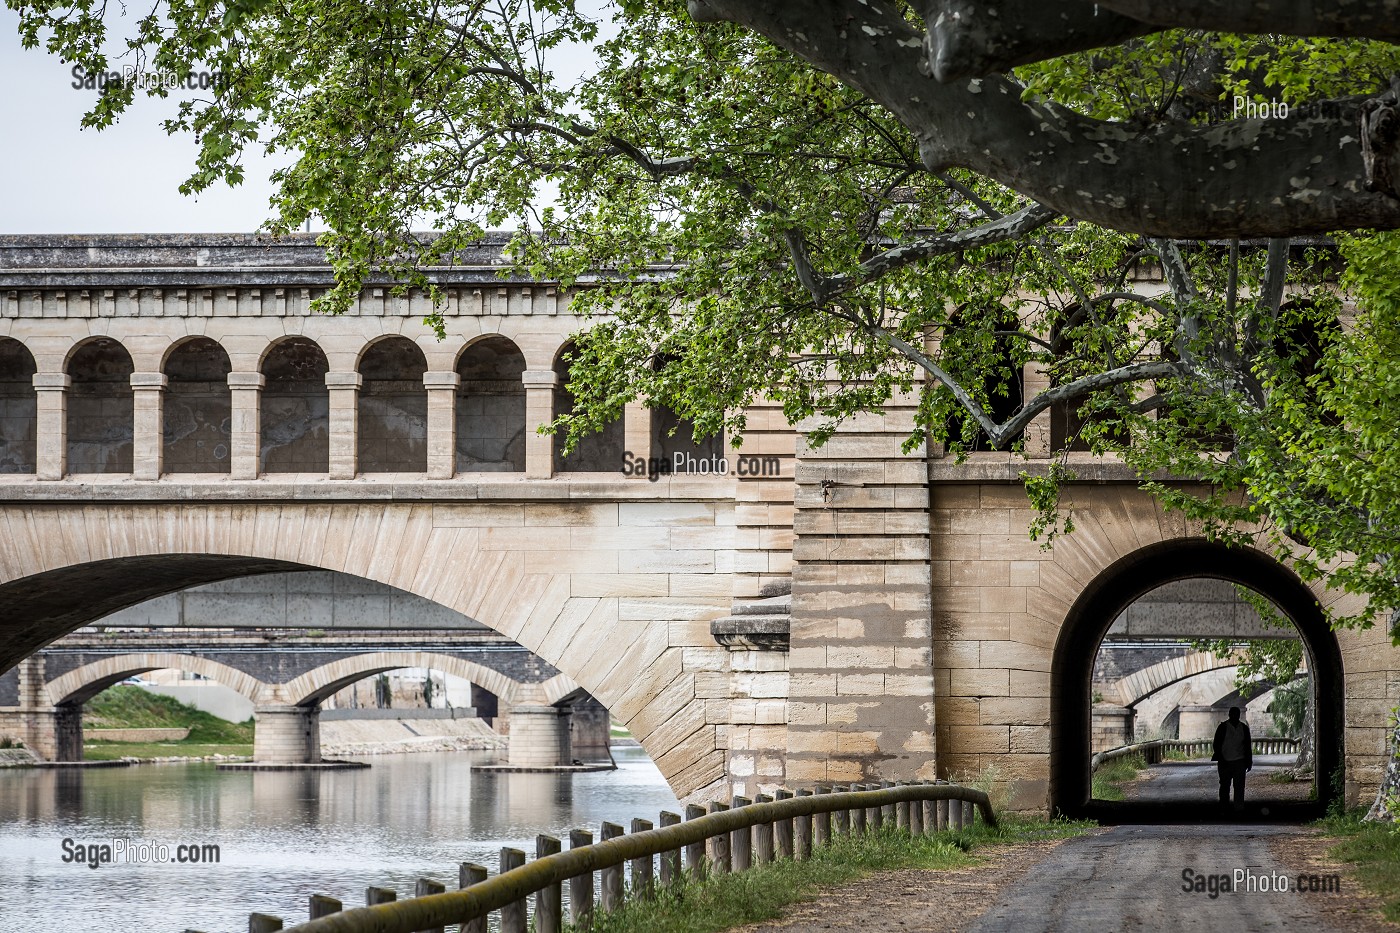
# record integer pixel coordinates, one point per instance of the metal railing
(723, 840)
(1154, 752)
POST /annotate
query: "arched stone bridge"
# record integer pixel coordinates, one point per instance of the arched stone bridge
(172, 413)
(287, 683)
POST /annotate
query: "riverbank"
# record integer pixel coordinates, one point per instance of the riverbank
(858, 883)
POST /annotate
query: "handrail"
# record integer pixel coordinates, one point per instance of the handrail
(1152, 751)
(511, 887)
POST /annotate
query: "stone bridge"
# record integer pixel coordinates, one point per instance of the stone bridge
(286, 678)
(172, 414)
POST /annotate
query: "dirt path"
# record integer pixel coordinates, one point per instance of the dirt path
(1128, 878)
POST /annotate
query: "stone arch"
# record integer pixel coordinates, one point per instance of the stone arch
(1137, 686)
(84, 683)
(198, 407)
(317, 684)
(392, 427)
(1110, 590)
(490, 406)
(79, 563)
(599, 452)
(101, 412)
(294, 411)
(19, 408)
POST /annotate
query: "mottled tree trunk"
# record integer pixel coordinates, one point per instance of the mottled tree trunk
(1386, 809)
(1307, 740)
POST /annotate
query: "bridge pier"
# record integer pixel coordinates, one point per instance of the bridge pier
(590, 730)
(52, 733)
(287, 735)
(539, 737)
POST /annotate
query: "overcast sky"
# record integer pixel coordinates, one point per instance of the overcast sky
(56, 177)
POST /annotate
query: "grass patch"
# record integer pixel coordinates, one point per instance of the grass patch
(759, 894)
(1373, 849)
(1110, 777)
(126, 706)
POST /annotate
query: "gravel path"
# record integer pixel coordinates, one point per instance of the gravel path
(1128, 878)
(1199, 780)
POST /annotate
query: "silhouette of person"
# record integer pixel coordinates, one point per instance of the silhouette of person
(1234, 755)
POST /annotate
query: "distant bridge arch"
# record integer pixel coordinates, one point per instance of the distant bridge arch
(80, 685)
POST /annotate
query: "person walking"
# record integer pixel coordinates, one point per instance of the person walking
(1234, 755)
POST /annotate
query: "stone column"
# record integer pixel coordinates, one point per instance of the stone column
(861, 701)
(148, 434)
(286, 734)
(539, 409)
(442, 423)
(539, 737)
(1037, 434)
(636, 431)
(51, 429)
(245, 434)
(344, 423)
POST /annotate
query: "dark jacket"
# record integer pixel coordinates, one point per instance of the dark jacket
(1220, 743)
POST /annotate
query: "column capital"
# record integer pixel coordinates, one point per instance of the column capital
(539, 378)
(52, 381)
(247, 381)
(149, 381)
(441, 380)
(350, 380)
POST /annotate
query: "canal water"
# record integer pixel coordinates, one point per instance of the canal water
(281, 836)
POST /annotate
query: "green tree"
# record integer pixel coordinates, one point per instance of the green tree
(826, 203)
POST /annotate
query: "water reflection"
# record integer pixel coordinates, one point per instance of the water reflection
(282, 835)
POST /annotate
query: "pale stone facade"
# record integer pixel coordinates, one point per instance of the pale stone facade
(927, 635)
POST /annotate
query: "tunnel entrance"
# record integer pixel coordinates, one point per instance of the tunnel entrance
(1077, 732)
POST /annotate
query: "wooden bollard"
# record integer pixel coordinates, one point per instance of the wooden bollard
(955, 814)
(581, 886)
(375, 895)
(916, 814)
(549, 900)
(901, 810)
(321, 905)
(467, 875)
(695, 852)
(802, 833)
(783, 830)
(263, 923)
(969, 813)
(762, 836)
(720, 862)
(515, 915)
(741, 842)
(875, 816)
(670, 861)
(643, 879)
(821, 822)
(930, 814)
(941, 817)
(610, 888)
(424, 887)
(859, 814)
(841, 819)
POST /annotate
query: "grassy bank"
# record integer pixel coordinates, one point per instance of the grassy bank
(1373, 849)
(760, 893)
(1109, 778)
(126, 706)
